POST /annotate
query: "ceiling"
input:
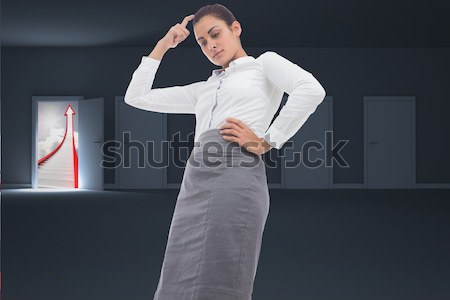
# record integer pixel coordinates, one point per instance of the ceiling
(276, 23)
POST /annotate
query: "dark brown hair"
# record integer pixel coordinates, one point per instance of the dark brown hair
(216, 10)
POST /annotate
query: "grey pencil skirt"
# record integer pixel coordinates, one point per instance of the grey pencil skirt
(215, 236)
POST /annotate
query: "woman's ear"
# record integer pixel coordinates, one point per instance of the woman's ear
(236, 26)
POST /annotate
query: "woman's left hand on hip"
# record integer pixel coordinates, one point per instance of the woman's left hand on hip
(237, 131)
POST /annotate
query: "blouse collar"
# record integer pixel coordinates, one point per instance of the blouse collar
(233, 63)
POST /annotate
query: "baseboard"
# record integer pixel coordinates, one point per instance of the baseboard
(109, 185)
(432, 185)
(348, 185)
(271, 186)
(173, 185)
(15, 185)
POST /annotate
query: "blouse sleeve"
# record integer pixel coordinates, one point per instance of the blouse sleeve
(175, 99)
(305, 94)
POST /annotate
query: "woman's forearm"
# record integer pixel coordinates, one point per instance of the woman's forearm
(159, 51)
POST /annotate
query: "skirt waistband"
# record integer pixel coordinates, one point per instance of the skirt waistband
(212, 146)
(213, 138)
(212, 135)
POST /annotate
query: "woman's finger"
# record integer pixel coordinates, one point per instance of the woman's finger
(178, 35)
(231, 138)
(230, 131)
(183, 29)
(186, 20)
(230, 125)
(237, 122)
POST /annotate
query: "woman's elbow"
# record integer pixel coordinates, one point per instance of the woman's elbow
(318, 90)
(131, 98)
(128, 100)
(319, 93)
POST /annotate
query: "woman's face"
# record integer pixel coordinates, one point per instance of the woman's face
(218, 42)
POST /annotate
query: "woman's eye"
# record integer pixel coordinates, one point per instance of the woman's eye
(214, 35)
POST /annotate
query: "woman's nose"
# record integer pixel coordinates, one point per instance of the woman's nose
(212, 47)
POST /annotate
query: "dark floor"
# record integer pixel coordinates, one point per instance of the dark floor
(318, 244)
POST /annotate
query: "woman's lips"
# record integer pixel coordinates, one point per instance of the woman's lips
(217, 54)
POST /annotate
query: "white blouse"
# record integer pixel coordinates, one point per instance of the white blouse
(249, 89)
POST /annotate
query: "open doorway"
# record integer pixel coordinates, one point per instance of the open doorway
(55, 133)
(66, 142)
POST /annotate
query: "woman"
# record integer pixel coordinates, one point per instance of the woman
(216, 231)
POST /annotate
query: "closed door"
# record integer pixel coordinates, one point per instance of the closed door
(389, 142)
(142, 135)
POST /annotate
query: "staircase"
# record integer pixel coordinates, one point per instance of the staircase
(59, 168)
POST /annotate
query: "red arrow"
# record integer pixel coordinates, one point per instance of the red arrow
(69, 115)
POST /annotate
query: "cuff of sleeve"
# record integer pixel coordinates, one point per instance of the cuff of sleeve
(275, 138)
(148, 61)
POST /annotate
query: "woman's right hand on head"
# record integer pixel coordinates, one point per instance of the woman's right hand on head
(177, 33)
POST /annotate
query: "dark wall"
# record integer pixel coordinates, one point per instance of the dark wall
(347, 74)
